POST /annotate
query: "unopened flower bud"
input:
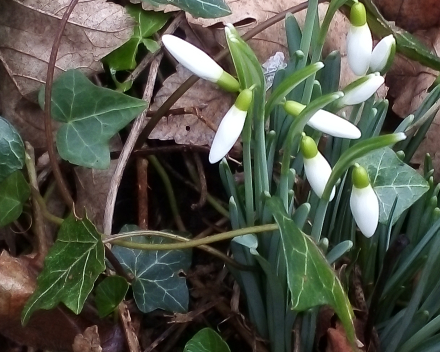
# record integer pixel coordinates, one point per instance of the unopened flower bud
(363, 202)
(325, 121)
(383, 55)
(316, 167)
(199, 63)
(230, 127)
(359, 40)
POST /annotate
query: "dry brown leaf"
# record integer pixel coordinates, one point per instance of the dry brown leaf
(47, 329)
(189, 129)
(87, 342)
(27, 32)
(28, 29)
(409, 14)
(409, 82)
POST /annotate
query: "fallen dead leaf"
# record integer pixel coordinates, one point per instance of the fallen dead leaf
(87, 342)
(48, 329)
(189, 129)
(411, 15)
(409, 82)
(28, 29)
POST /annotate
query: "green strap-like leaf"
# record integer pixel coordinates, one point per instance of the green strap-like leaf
(11, 149)
(157, 283)
(391, 178)
(70, 269)
(206, 340)
(14, 191)
(312, 282)
(109, 293)
(91, 115)
(198, 8)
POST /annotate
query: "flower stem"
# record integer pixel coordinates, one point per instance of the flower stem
(117, 239)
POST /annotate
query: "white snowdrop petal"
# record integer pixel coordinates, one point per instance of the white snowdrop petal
(359, 46)
(227, 133)
(381, 53)
(365, 209)
(334, 125)
(194, 59)
(363, 91)
(318, 171)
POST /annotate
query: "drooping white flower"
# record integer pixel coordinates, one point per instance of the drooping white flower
(363, 202)
(359, 40)
(316, 167)
(383, 54)
(199, 63)
(361, 89)
(230, 127)
(325, 121)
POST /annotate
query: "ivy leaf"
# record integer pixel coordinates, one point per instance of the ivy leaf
(206, 340)
(11, 149)
(70, 269)
(198, 8)
(156, 284)
(312, 282)
(109, 293)
(148, 23)
(90, 116)
(391, 177)
(14, 191)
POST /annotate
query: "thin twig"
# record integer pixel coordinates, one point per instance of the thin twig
(38, 222)
(64, 191)
(193, 79)
(181, 148)
(138, 125)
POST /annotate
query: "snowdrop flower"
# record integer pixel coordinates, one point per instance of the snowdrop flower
(359, 40)
(231, 126)
(317, 169)
(325, 121)
(199, 63)
(361, 89)
(383, 54)
(363, 202)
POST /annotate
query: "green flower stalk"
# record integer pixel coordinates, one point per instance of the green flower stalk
(363, 202)
(316, 167)
(199, 63)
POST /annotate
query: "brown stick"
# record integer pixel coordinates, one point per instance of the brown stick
(65, 194)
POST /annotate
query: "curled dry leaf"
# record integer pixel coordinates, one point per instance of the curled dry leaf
(27, 33)
(88, 342)
(189, 129)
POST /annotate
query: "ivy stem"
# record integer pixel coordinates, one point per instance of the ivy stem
(117, 239)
